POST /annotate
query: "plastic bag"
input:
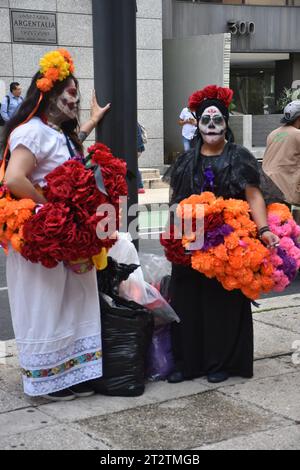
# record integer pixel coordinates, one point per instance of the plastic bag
(154, 267)
(160, 361)
(162, 311)
(126, 335)
(109, 278)
(135, 288)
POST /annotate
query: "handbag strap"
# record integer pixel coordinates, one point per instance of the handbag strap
(70, 148)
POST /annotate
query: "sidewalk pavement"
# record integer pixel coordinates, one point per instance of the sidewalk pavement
(260, 413)
(155, 196)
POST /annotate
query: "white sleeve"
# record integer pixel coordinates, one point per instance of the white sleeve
(27, 136)
(182, 115)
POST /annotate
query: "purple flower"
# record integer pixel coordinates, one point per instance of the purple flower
(289, 266)
(215, 237)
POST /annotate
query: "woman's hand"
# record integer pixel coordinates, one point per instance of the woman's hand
(270, 239)
(97, 112)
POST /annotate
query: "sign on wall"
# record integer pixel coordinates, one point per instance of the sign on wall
(36, 27)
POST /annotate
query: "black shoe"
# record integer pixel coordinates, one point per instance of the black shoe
(216, 377)
(61, 395)
(82, 390)
(175, 377)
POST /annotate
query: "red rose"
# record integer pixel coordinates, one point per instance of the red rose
(210, 91)
(174, 250)
(66, 180)
(225, 95)
(98, 146)
(195, 100)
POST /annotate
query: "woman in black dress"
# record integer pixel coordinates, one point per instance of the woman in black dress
(215, 335)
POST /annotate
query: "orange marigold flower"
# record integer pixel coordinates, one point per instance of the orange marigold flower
(229, 270)
(203, 262)
(16, 242)
(281, 210)
(267, 283)
(237, 206)
(220, 252)
(250, 293)
(207, 197)
(44, 84)
(52, 74)
(230, 283)
(245, 276)
(267, 269)
(236, 262)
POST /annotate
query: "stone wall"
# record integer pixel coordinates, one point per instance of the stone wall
(150, 79)
(74, 24)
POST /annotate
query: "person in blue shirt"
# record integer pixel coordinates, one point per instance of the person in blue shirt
(12, 101)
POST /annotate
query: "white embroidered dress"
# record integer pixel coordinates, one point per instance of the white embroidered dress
(55, 312)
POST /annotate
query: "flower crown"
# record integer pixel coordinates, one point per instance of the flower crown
(223, 94)
(55, 65)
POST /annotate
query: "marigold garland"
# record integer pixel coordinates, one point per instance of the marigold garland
(231, 251)
(13, 214)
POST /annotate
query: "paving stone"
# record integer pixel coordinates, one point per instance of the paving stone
(184, 423)
(287, 318)
(277, 394)
(271, 340)
(24, 420)
(98, 405)
(275, 439)
(282, 301)
(51, 438)
(9, 402)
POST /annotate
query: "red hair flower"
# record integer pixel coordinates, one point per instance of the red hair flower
(209, 92)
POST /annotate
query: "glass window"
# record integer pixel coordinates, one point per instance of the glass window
(254, 90)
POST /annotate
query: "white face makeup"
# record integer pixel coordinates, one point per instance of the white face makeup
(212, 125)
(68, 101)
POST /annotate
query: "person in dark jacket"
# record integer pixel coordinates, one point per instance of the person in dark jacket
(215, 335)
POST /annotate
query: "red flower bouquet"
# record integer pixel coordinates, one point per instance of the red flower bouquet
(65, 229)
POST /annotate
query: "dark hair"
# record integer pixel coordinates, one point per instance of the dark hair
(13, 86)
(30, 102)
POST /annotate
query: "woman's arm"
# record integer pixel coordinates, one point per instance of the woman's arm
(21, 164)
(259, 214)
(97, 113)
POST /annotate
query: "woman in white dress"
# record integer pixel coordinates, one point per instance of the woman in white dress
(55, 312)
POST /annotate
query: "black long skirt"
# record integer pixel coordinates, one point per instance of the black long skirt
(216, 330)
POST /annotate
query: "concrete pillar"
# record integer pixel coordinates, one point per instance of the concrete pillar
(247, 131)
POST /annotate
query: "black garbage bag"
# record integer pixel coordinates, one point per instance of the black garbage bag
(126, 336)
(110, 278)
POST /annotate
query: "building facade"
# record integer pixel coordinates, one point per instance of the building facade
(265, 46)
(19, 59)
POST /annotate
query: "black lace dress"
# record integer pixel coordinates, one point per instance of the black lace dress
(216, 331)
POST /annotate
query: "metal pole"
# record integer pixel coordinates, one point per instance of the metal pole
(114, 31)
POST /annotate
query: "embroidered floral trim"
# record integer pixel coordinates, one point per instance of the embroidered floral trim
(43, 386)
(51, 359)
(36, 374)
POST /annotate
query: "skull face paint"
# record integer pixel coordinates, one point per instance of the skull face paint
(212, 125)
(68, 101)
